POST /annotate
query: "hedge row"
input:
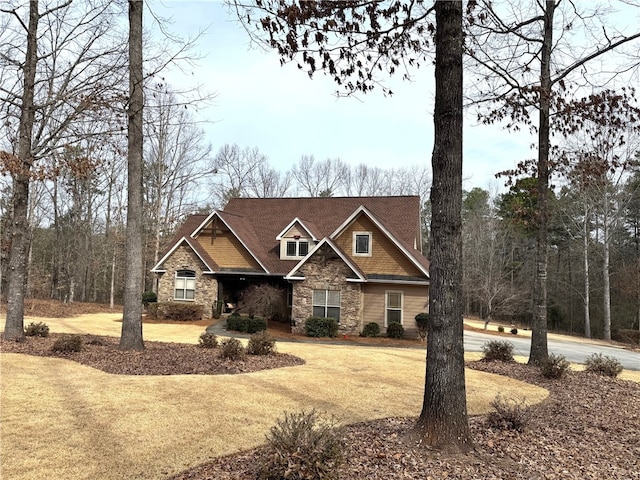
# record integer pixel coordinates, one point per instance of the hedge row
(239, 323)
(176, 311)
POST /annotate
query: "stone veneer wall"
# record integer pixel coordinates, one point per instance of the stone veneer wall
(327, 271)
(206, 285)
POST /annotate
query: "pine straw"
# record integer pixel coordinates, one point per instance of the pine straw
(62, 419)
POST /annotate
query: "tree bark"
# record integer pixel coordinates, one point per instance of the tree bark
(587, 287)
(606, 284)
(539, 351)
(443, 422)
(131, 337)
(14, 324)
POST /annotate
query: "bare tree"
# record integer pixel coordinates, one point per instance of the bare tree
(512, 52)
(131, 336)
(319, 178)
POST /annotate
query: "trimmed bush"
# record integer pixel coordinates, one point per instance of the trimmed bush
(371, 329)
(555, 366)
(514, 331)
(261, 343)
(177, 311)
(244, 324)
(395, 330)
(39, 329)
(321, 327)
(303, 446)
(149, 297)
(422, 322)
(68, 344)
(500, 350)
(501, 329)
(603, 365)
(208, 340)
(509, 414)
(232, 349)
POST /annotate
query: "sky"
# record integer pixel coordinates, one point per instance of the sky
(285, 114)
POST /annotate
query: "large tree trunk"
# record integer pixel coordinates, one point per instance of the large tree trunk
(131, 338)
(14, 325)
(606, 285)
(539, 351)
(443, 422)
(587, 287)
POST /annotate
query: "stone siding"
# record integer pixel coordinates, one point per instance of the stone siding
(326, 271)
(206, 285)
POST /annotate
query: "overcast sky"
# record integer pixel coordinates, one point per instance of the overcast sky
(286, 115)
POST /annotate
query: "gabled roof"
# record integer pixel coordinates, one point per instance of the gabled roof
(204, 257)
(362, 210)
(345, 258)
(302, 224)
(257, 222)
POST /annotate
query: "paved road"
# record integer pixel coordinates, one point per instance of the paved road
(573, 351)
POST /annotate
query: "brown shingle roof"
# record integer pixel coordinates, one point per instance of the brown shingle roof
(257, 221)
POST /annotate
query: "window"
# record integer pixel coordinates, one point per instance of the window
(297, 248)
(326, 303)
(185, 286)
(394, 308)
(362, 244)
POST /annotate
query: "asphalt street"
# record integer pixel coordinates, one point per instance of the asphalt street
(573, 351)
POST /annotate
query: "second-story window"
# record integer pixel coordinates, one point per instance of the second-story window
(362, 244)
(297, 248)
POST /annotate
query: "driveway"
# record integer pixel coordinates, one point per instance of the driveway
(574, 351)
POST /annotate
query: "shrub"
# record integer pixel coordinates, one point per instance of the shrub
(371, 329)
(422, 322)
(261, 343)
(176, 311)
(514, 331)
(303, 446)
(500, 350)
(244, 324)
(509, 414)
(603, 365)
(395, 330)
(501, 329)
(97, 341)
(68, 344)
(232, 349)
(321, 327)
(37, 330)
(208, 340)
(264, 300)
(149, 297)
(555, 366)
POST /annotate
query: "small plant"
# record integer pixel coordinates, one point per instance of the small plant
(149, 297)
(303, 446)
(500, 328)
(232, 349)
(261, 343)
(500, 350)
(395, 330)
(68, 344)
(321, 327)
(208, 340)
(509, 414)
(37, 330)
(514, 331)
(371, 329)
(244, 324)
(97, 341)
(422, 322)
(603, 365)
(555, 366)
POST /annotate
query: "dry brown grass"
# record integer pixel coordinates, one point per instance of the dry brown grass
(64, 420)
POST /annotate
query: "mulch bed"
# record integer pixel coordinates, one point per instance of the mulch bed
(588, 428)
(158, 358)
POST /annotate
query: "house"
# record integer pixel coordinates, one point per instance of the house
(357, 259)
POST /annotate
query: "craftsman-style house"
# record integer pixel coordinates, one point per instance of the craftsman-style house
(357, 259)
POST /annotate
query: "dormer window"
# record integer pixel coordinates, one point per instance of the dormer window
(362, 244)
(297, 248)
